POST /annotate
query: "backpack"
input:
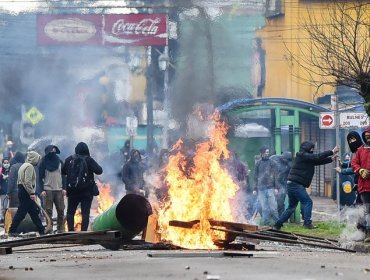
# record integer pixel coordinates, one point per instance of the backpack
(77, 173)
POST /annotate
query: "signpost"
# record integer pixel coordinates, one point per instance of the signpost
(346, 120)
(131, 128)
(327, 120)
(355, 120)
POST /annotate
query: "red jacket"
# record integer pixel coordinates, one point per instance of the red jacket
(359, 161)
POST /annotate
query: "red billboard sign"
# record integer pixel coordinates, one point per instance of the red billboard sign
(135, 29)
(114, 30)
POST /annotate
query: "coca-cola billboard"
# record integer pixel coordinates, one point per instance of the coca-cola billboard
(135, 29)
(131, 29)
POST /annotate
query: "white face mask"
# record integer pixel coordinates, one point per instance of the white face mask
(6, 165)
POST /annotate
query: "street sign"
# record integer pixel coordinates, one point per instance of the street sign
(327, 120)
(353, 120)
(131, 126)
(34, 115)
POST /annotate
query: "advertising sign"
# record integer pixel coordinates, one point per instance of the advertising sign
(114, 30)
(69, 29)
(135, 29)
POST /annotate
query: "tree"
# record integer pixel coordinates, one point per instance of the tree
(338, 49)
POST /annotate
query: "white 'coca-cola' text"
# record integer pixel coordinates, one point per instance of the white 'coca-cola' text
(145, 27)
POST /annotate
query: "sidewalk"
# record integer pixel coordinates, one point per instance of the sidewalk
(324, 209)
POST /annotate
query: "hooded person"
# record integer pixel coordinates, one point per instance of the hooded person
(51, 184)
(133, 173)
(361, 166)
(125, 151)
(354, 142)
(84, 192)
(300, 178)
(15, 164)
(26, 194)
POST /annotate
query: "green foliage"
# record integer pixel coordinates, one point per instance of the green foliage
(330, 229)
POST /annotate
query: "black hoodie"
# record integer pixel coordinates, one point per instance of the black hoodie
(93, 167)
(304, 164)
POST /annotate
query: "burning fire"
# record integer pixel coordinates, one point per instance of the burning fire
(105, 201)
(105, 198)
(199, 189)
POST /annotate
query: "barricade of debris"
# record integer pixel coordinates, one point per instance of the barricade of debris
(118, 228)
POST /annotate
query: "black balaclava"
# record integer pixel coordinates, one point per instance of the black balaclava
(354, 141)
(51, 159)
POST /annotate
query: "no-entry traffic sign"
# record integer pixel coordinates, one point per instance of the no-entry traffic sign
(327, 120)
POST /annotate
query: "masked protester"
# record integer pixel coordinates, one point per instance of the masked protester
(26, 194)
(133, 174)
(84, 193)
(266, 186)
(354, 142)
(4, 175)
(300, 178)
(361, 166)
(50, 178)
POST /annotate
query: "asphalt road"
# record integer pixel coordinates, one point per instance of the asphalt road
(94, 262)
(270, 261)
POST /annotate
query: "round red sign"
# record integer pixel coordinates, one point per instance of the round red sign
(327, 120)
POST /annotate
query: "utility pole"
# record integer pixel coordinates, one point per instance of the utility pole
(149, 102)
(335, 108)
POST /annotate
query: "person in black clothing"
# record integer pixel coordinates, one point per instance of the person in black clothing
(125, 152)
(133, 174)
(85, 196)
(300, 178)
(15, 164)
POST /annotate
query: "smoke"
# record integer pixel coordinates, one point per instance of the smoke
(351, 216)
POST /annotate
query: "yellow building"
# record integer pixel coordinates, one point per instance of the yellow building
(284, 37)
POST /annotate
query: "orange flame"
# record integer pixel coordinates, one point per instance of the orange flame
(199, 189)
(105, 198)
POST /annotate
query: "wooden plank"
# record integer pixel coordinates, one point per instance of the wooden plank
(283, 240)
(183, 224)
(87, 237)
(231, 225)
(151, 232)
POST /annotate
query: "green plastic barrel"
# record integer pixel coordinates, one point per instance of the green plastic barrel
(129, 215)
